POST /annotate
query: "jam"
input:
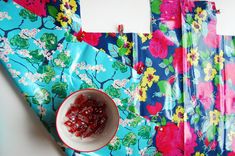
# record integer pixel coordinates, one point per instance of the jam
(86, 117)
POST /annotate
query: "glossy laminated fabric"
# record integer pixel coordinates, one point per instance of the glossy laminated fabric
(187, 87)
(208, 81)
(47, 65)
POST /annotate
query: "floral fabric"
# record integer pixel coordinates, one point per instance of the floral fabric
(187, 88)
(35, 6)
(47, 64)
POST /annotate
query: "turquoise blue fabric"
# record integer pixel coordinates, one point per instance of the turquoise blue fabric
(47, 64)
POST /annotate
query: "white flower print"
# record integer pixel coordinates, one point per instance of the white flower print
(98, 68)
(42, 110)
(23, 81)
(34, 77)
(129, 151)
(120, 83)
(14, 73)
(142, 152)
(26, 33)
(24, 53)
(4, 15)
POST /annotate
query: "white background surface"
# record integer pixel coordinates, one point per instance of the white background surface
(225, 20)
(106, 15)
(21, 134)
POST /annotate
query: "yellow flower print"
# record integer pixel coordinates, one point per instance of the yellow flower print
(149, 78)
(68, 6)
(214, 117)
(201, 15)
(145, 37)
(126, 46)
(63, 19)
(210, 72)
(219, 59)
(129, 46)
(142, 93)
(179, 115)
(193, 57)
(196, 26)
(199, 154)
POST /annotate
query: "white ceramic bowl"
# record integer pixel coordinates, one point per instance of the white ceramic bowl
(92, 143)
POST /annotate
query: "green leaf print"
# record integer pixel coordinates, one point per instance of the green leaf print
(211, 132)
(163, 27)
(52, 10)
(122, 51)
(165, 87)
(27, 14)
(129, 139)
(63, 60)
(132, 109)
(131, 115)
(48, 72)
(113, 92)
(218, 79)
(120, 42)
(85, 85)
(20, 42)
(135, 121)
(163, 121)
(144, 132)
(41, 96)
(69, 37)
(37, 57)
(187, 40)
(155, 6)
(119, 66)
(115, 146)
(60, 88)
(50, 41)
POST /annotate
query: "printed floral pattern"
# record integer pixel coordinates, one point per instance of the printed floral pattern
(187, 88)
(47, 64)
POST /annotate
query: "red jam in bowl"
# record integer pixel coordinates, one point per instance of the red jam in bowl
(86, 117)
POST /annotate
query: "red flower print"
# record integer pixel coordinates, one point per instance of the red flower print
(170, 140)
(178, 62)
(189, 139)
(212, 40)
(171, 80)
(171, 13)
(158, 45)
(206, 142)
(213, 145)
(187, 6)
(225, 99)
(204, 94)
(227, 74)
(139, 67)
(90, 38)
(35, 6)
(112, 34)
(153, 110)
(231, 154)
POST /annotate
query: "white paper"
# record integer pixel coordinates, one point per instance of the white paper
(225, 20)
(106, 15)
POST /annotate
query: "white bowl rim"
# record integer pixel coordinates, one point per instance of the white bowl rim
(87, 89)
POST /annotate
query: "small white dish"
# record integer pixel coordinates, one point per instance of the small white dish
(92, 143)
